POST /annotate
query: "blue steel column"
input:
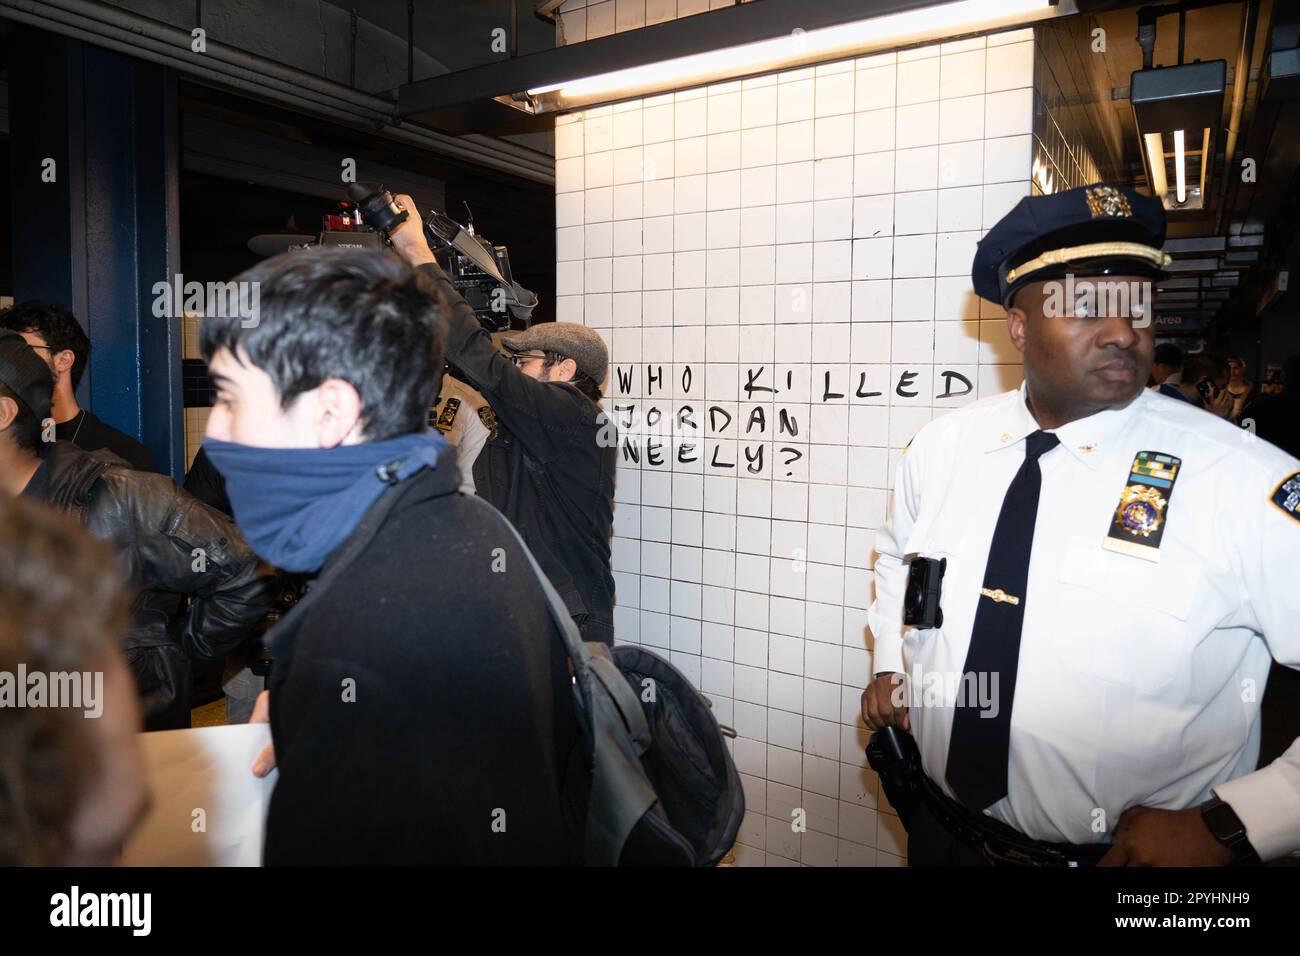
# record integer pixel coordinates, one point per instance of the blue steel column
(108, 227)
(46, 123)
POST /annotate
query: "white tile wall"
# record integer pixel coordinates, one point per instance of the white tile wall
(783, 263)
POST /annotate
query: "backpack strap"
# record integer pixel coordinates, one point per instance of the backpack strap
(621, 793)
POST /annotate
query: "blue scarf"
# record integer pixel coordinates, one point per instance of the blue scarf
(295, 506)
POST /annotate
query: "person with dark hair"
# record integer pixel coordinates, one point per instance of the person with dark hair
(1167, 370)
(55, 335)
(420, 703)
(71, 777)
(1204, 383)
(172, 544)
(549, 463)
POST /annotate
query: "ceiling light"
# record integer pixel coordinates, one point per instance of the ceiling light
(1156, 163)
(1180, 165)
(1181, 106)
(877, 33)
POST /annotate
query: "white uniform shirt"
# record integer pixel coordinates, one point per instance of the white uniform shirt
(465, 429)
(1139, 682)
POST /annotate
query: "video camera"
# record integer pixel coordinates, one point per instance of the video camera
(478, 270)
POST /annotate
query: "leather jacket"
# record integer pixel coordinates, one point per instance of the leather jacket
(174, 547)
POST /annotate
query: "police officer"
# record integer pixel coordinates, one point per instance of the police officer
(461, 414)
(1114, 570)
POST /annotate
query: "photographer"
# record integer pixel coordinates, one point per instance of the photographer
(549, 466)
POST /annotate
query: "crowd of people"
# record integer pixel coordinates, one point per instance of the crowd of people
(1269, 409)
(420, 698)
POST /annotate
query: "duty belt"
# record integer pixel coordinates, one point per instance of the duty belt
(893, 754)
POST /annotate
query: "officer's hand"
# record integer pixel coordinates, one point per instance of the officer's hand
(265, 761)
(408, 238)
(884, 703)
(1149, 837)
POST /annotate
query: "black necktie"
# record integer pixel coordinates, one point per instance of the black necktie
(980, 744)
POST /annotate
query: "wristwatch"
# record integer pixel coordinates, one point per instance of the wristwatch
(1228, 829)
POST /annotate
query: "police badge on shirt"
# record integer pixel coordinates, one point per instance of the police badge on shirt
(1138, 521)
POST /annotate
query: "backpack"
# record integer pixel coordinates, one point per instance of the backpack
(663, 789)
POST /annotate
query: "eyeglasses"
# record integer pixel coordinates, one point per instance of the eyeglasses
(523, 358)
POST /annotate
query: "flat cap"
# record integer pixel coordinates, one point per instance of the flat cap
(583, 345)
(1088, 231)
(26, 375)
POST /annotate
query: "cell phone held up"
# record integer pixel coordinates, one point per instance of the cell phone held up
(924, 586)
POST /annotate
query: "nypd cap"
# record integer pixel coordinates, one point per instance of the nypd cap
(1089, 231)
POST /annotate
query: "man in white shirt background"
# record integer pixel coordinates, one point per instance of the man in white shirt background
(1117, 575)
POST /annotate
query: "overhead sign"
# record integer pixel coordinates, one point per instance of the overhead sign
(1178, 323)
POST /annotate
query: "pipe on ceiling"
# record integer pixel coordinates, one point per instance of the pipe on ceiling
(1147, 17)
(1240, 80)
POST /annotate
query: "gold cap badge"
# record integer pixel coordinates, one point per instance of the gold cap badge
(1107, 201)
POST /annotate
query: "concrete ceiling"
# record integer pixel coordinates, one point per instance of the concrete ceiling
(340, 60)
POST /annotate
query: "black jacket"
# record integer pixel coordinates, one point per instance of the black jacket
(544, 470)
(420, 693)
(156, 527)
(90, 433)
(204, 482)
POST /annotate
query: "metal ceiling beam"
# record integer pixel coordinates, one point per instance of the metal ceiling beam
(548, 8)
(1195, 244)
(1182, 308)
(701, 33)
(1193, 265)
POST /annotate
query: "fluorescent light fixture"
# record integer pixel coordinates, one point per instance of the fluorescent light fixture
(897, 29)
(1179, 107)
(1206, 157)
(1156, 163)
(1180, 166)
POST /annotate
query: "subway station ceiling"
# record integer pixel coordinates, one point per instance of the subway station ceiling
(356, 61)
(1226, 254)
